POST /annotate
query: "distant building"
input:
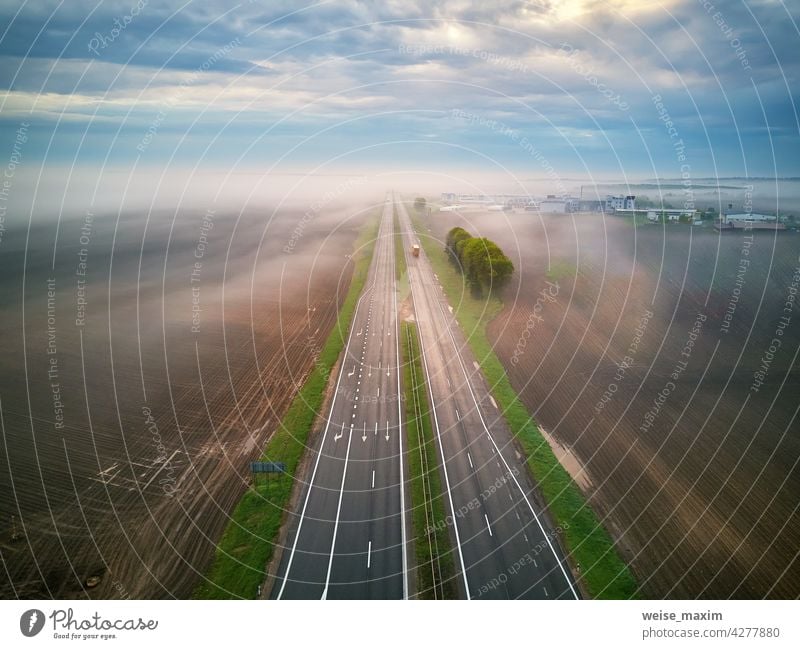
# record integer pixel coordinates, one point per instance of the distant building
(747, 216)
(559, 205)
(614, 203)
(668, 214)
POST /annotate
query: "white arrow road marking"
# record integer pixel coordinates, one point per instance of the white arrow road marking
(494, 403)
(364, 434)
(339, 436)
(353, 372)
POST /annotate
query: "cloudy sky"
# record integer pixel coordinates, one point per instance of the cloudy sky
(580, 87)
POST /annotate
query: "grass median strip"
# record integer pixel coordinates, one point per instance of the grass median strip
(604, 573)
(246, 547)
(435, 569)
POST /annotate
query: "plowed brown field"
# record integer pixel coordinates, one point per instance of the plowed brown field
(159, 421)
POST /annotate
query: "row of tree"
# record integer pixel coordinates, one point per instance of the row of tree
(481, 260)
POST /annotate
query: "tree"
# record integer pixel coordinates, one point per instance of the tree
(419, 203)
(484, 265)
(454, 237)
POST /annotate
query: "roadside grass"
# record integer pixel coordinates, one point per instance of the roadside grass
(399, 256)
(603, 572)
(436, 577)
(246, 546)
(400, 269)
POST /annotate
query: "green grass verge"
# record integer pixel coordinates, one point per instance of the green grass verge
(436, 577)
(248, 542)
(399, 256)
(604, 573)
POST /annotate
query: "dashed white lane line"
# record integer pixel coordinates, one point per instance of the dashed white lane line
(488, 527)
(494, 403)
(373, 478)
(545, 591)
(469, 457)
(369, 554)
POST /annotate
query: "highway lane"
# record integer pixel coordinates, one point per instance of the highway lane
(505, 546)
(349, 539)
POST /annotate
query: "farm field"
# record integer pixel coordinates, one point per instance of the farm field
(637, 350)
(125, 460)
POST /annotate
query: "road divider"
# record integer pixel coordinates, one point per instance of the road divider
(436, 574)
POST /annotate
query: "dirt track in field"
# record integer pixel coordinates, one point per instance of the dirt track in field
(699, 486)
(159, 421)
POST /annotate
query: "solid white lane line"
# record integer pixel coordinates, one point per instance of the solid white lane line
(338, 513)
(441, 451)
(508, 468)
(319, 456)
(399, 414)
(488, 527)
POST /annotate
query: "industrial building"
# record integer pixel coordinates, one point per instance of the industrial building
(559, 205)
(748, 216)
(614, 203)
(748, 221)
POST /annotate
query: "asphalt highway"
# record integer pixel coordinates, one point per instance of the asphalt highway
(349, 540)
(505, 545)
(350, 537)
